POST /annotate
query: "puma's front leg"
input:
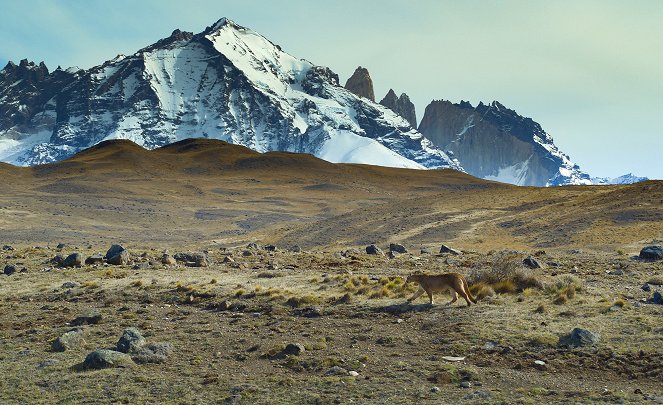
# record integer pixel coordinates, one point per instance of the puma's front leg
(416, 295)
(430, 297)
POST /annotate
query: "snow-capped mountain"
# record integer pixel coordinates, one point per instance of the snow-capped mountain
(227, 82)
(629, 178)
(495, 143)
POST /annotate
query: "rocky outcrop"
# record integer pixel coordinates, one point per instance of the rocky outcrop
(495, 143)
(401, 106)
(360, 83)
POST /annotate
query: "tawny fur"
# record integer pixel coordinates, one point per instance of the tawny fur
(453, 282)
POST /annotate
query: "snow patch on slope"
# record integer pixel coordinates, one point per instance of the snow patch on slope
(346, 147)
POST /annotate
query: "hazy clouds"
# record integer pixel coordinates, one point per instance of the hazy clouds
(591, 72)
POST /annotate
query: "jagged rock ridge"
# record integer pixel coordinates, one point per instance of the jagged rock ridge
(227, 82)
(361, 84)
(401, 106)
(495, 143)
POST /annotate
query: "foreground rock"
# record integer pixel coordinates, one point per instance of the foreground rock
(397, 247)
(91, 317)
(651, 253)
(195, 259)
(373, 250)
(117, 255)
(69, 340)
(10, 269)
(131, 339)
(104, 358)
(580, 338)
(531, 262)
(94, 259)
(152, 353)
(450, 250)
(73, 260)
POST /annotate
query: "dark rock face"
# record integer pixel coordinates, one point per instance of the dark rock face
(495, 143)
(397, 247)
(580, 338)
(360, 83)
(401, 106)
(652, 253)
(73, 260)
(373, 250)
(531, 262)
(9, 269)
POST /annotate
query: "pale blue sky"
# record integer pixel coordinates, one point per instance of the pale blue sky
(591, 72)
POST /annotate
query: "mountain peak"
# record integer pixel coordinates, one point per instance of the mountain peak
(401, 106)
(360, 83)
(223, 23)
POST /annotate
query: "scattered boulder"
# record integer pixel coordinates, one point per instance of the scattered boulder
(70, 284)
(69, 340)
(651, 253)
(131, 339)
(247, 253)
(426, 251)
(579, 338)
(465, 384)
(228, 259)
(253, 245)
(646, 287)
(195, 259)
(271, 248)
(397, 247)
(531, 262)
(104, 358)
(351, 253)
(61, 246)
(152, 353)
(293, 349)
(57, 260)
(96, 258)
(450, 250)
(117, 255)
(656, 298)
(295, 249)
(336, 370)
(10, 269)
(7, 247)
(168, 260)
(373, 250)
(73, 260)
(91, 317)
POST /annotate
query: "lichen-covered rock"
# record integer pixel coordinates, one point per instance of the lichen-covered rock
(69, 340)
(104, 358)
(131, 339)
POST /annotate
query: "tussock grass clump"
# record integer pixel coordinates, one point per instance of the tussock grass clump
(505, 276)
(137, 283)
(564, 288)
(240, 292)
(297, 302)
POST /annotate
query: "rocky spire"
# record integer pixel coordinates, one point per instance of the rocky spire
(401, 106)
(360, 83)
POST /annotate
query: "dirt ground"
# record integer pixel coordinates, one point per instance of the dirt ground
(229, 323)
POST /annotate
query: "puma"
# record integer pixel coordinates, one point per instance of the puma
(453, 282)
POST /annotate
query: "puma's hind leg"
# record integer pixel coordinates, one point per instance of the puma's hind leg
(465, 294)
(454, 297)
(430, 297)
(416, 295)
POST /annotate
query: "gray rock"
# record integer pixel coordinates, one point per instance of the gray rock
(294, 349)
(193, 259)
(336, 370)
(152, 353)
(168, 260)
(656, 298)
(465, 384)
(580, 338)
(450, 250)
(271, 248)
(69, 340)
(7, 247)
(114, 250)
(247, 253)
(120, 259)
(435, 390)
(103, 358)
(48, 363)
(91, 317)
(426, 251)
(295, 249)
(131, 339)
(531, 262)
(478, 395)
(73, 260)
(61, 246)
(228, 259)
(646, 287)
(70, 284)
(373, 250)
(397, 247)
(10, 269)
(253, 245)
(651, 253)
(96, 258)
(57, 260)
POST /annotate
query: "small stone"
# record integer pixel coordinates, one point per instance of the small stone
(103, 358)
(651, 253)
(336, 370)
(70, 284)
(399, 320)
(69, 340)
(374, 250)
(73, 260)
(435, 390)
(10, 269)
(540, 364)
(152, 353)
(228, 259)
(96, 258)
(646, 287)
(450, 250)
(465, 384)
(426, 251)
(131, 339)
(580, 337)
(615, 308)
(353, 373)
(91, 317)
(271, 248)
(294, 349)
(616, 273)
(168, 260)
(531, 262)
(61, 246)
(295, 249)
(7, 247)
(397, 247)
(247, 253)
(656, 298)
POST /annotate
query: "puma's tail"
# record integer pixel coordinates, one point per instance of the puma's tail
(467, 290)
